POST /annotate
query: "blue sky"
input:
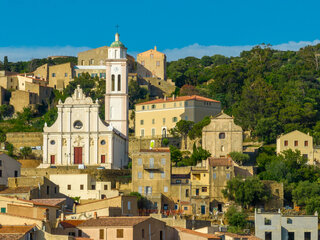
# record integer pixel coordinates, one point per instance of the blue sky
(204, 27)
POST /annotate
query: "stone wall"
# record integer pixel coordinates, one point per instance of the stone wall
(26, 139)
(158, 87)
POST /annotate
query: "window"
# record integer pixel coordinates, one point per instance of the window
(81, 187)
(82, 62)
(175, 104)
(139, 175)
(57, 213)
(158, 63)
(165, 189)
(140, 189)
(142, 63)
(141, 122)
(102, 75)
(163, 161)
(305, 156)
(148, 190)
(151, 55)
(204, 189)
(66, 74)
(176, 207)
(69, 187)
(79, 233)
(3, 210)
(178, 181)
(142, 132)
(77, 124)
(187, 192)
(101, 234)
(119, 82)
(16, 173)
(0, 163)
(164, 105)
(129, 205)
(103, 142)
(228, 175)
(307, 235)
(142, 233)
(151, 162)
(53, 75)
(153, 121)
(185, 208)
(48, 190)
(164, 120)
(267, 221)
(153, 106)
(105, 187)
(139, 161)
(153, 132)
(174, 119)
(151, 175)
(268, 235)
(55, 189)
(289, 220)
(163, 175)
(79, 74)
(186, 104)
(214, 175)
(197, 192)
(222, 135)
(296, 143)
(306, 143)
(113, 83)
(290, 235)
(93, 187)
(285, 142)
(186, 118)
(52, 142)
(143, 107)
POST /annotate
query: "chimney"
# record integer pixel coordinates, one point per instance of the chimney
(95, 215)
(155, 48)
(173, 97)
(165, 98)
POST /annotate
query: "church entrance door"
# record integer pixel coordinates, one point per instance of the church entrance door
(78, 155)
(52, 159)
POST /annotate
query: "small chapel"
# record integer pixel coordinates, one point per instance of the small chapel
(79, 136)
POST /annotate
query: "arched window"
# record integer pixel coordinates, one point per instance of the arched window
(222, 135)
(119, 82)
(113, 83)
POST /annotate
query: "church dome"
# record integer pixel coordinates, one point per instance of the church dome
(117, 42)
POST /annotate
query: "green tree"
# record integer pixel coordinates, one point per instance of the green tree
(313, 205)
(196, 130)
(304, 191)
(236, 219)
(25, 152)
(10, 149)
(198, 155)
(239, 157)
(176, 155)
(142, 201)
(136, 93)
(6, 111)
(6, 66)
(182, 128)
(268, 129)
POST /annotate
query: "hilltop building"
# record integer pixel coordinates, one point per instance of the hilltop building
(156, 117)
(152, 64)
(79, 136)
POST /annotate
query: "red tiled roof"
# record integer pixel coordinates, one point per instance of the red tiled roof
(204, 235)
(234, 235)
(113, 221)
(214, 162)
(11, 236)
(16, 228)
(53, 202)
(156, 150)
(15, 215)
(177, 99)
(71, 223)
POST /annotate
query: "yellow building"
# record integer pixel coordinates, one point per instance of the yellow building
(152, 63)
(297, 140)
(60, 75)
(156, 117)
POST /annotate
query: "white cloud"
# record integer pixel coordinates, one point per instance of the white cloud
(199, 51)
(26, 53)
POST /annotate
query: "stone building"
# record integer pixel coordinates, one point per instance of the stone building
(9, 80)
(155, 118)
(9, 167)
(152, 63)
(222, 136)
(270, 226)
(79, 136)
(297, 140)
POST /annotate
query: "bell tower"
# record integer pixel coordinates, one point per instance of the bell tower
(116, 97)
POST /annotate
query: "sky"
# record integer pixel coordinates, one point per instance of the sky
(180, 28)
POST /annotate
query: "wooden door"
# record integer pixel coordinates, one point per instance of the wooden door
(78, 155)
(52, 159)
(103, 158)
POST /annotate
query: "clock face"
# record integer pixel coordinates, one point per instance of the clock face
(116, 69)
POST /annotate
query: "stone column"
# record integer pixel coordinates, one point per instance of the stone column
(96, 149)
(45, 149)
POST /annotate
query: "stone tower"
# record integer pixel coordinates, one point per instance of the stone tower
(116, 97)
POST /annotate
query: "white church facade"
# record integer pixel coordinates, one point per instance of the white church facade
(79, 136)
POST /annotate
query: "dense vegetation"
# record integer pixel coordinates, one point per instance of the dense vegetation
(268, 91)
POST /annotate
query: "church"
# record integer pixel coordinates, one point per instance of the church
(79, 136)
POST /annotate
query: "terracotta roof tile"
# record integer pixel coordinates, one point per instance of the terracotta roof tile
(17, 190)
(16, 228)
(71, 223)
(53, 202)
(156, 150)
(204, 235)
(11, 236)
(177, 99)
(214, 162)
(113, 221)
(234, 235)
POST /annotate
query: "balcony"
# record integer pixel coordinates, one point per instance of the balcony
(153, 167)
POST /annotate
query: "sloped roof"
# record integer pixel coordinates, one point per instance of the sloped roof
(113, 221)
(53, 202)
(204, 235)
(214, 162)
(71, 223)
(177, 99)
(17, 190)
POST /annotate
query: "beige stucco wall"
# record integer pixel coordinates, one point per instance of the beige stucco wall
(301, 139)
(21, 99)
(151, 63)
(218, 147)
(160, 115)
(42, 71)
(60, 75)
(8, 168)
